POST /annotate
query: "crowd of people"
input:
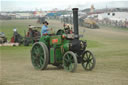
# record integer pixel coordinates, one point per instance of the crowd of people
(115, 23)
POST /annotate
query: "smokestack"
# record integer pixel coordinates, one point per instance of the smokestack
(75, 22)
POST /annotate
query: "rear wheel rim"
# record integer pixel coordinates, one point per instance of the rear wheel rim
(39, 55)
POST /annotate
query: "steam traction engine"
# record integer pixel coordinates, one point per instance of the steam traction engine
(62, 50)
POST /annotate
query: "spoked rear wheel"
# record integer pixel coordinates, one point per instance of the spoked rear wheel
(69, 61)
(88, 60)
(39, 55)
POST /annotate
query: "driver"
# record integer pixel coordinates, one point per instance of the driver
(67, 29)
(45, 29)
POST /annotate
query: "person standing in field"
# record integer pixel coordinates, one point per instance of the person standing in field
(17, 37)
(15, 34)
(45, 29)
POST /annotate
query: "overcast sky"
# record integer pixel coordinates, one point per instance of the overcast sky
(23, 5)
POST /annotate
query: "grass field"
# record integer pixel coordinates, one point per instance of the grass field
(109, 45)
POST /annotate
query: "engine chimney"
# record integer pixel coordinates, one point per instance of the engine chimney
(75, 22)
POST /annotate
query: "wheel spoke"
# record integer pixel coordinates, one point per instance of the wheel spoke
(84, 58)
(89, 55)
(86, 65)
(72, 60)
(65, 59)
(33, 59)
(40, 49)
(41, 58)
(41, 54)
(91, 59)
(36, 51)
(70, 66)
(41, 62)
(65, 64)
(89, 65)
(68, 57)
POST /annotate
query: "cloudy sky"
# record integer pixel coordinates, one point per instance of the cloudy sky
(20, 5)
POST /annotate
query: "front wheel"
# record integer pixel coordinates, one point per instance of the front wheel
(70, 61)
(88, 60)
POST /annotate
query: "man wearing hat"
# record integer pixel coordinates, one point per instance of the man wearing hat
(45, 29)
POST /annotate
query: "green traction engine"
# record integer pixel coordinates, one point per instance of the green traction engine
(62, 50)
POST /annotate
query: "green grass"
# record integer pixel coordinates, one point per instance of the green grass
(114, 27)
(7, 26)
(93, 44)
(109, 45)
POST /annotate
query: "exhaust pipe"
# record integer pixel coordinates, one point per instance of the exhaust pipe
(75, 22)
